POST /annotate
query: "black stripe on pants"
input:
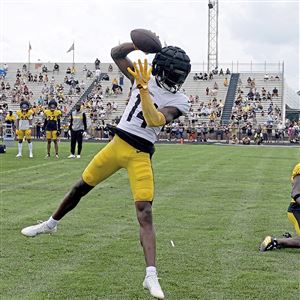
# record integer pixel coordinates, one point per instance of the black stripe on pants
(76, 136)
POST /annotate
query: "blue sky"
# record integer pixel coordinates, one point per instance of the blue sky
(253, 30)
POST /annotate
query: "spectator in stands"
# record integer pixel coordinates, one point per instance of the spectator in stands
(207, 91)
(205, 76)
(84, 69)
(98, 75)
(7, 86)
(110, 68)
(5, 67)
(211, 76)
(266, 77)
(246, 140)
(221, 72)
(277, 77)
(275, 92)
(227, 71)
(97, 64)
(68, 71)
(225, 82)
(234, 139)
(216, 87)
(196, 77)
(44, 69)
(56, 68)
(249, 80)
(114, 106)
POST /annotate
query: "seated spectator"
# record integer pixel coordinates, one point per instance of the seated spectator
(207, 91)
(246, 140)
(98, 74)
(84, 68)
(277, 77)
(24, 68)
(56, 67)
(205, 76)
(196, 77)
(234, 139)
(216, 87)
(221, 72)
(275, 92)
(44, 69)
(249, 80)
(211, 76)
(7, 86)
(89, 74)
(110, 68)
(5, 68)
(266, 77)
(225, 81)
(227, 71)
(68, 71)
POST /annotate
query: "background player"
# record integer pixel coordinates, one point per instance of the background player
(78, 128)
(52, 126)
(23, 127)
(270, 243)
(154, 102)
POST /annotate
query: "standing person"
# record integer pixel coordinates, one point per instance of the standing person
(271, 243)
(78, 128)
(154, 102)
(52, 126)
(23, 127)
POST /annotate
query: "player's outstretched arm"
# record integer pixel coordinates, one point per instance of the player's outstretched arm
(119, 55)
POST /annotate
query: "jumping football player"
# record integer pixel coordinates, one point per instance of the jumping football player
(52, 126)
(154, 102)
(23, 127)
(270, 243)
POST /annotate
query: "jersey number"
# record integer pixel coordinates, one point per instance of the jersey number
(140, 114)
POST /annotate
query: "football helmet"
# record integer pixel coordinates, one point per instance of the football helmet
(24, 105)
(171, 66)
(52, 104)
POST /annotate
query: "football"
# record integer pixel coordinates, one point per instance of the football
(145, 40)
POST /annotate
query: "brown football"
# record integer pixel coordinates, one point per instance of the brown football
(146, 40)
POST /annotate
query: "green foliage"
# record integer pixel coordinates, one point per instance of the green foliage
(215, 203)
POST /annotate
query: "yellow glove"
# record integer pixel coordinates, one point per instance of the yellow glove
(141, 74)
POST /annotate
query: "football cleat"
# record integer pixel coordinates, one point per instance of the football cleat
(30, 155)
(151, 283)
(56, 156)
(40, 228)
(78, 156)
(19, 155)
(71, 156)
(269, 243)
(47, 156)
(287, 235)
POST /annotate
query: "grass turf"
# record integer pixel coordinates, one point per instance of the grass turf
(215, 203)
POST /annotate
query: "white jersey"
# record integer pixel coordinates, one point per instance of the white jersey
(132, 120)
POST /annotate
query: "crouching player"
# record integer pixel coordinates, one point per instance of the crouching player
(270, 243)
(52, 126)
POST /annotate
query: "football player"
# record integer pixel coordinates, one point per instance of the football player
(52, 126)
(154, 102)
(270, 243)
(23, 127)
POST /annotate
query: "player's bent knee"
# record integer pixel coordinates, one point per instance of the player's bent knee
(144, 212)
(81, 188)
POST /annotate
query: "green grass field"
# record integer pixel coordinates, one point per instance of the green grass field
(215, 203)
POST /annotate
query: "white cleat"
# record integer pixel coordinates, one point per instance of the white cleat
(30, 155)
(47, 156)
(56, 156)
(38, 229)
(78, 156)
(19, 155)
(71, 156)
(151, 283)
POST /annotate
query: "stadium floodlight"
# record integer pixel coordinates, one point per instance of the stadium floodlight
(212, 55)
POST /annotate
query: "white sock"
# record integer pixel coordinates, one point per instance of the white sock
(51, 223)
(30, 147)
(20, 148)
(150, 270)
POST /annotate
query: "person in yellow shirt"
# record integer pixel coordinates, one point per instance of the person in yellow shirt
(10, 119)
(269, 242)
(52, 126)
(23, 127)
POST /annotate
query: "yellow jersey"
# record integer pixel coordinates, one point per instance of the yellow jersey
(51, 119)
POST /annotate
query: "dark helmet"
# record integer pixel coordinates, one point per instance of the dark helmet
(171, 67)
(52, 104)
(24, 105)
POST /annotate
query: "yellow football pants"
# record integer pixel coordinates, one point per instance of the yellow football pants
(295, 221)
(118, 154)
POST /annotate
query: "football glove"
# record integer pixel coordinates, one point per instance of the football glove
(58, 132)
(269, 243)
(141, 74)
